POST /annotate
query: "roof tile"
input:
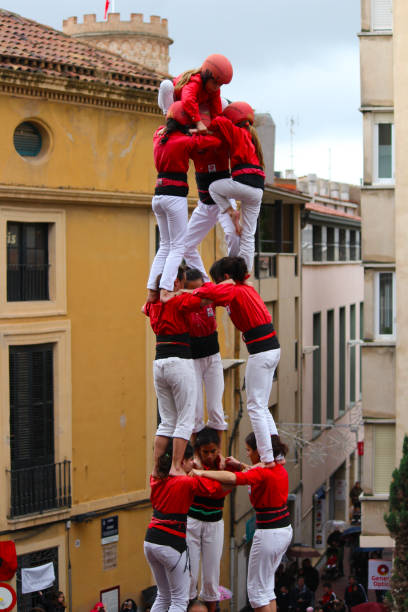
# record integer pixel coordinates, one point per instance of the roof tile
(50, 52)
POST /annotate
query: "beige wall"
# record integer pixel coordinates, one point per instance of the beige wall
(90, 147)
(378, 381)
(401, 216)
(376, 72)
(378, 229)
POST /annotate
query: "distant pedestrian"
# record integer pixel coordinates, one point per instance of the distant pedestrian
(283, 599)
(301, 597)
(354, 594)
(311, 576)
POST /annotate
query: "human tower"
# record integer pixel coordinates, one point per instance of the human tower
(189, 485)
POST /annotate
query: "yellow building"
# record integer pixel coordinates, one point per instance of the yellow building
(78, 411)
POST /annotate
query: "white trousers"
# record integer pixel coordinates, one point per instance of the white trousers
(209, 371)
(172, 217)
(175, 384)
(170, 571)
(205, 540)
(202, 220)
(268, 548)
(258, 382)
(166, 95)
(251, 198)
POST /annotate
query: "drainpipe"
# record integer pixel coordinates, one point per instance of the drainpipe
(68, 527)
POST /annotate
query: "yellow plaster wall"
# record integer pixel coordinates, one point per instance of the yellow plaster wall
(90, 147)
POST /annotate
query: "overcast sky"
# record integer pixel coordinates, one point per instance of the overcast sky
(291, 58)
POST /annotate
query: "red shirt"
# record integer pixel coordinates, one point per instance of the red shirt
(241, 147)
(171, 318)
(269, 487)
(174, 494)
(175, 153)
(194, 93)
(243, 303)
(203, 322)
(211, 160)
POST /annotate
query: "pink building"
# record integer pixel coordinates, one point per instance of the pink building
(332, 323)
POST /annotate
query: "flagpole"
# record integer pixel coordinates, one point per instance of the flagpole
(113, 6)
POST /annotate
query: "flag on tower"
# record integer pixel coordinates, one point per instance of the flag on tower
(107, 2)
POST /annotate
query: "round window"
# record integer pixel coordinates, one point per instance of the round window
(28, 140)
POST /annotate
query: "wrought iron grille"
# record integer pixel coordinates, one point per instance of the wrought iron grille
(40, 488)
(33, 559)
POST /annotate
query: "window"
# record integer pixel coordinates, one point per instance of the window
(342, 245)
(27, 261)
(317, 243)
(385, 312)
(27, 139)
(33, 559)
(275, 229)
(31, 429)
(352, 354)
(37, 483)
(342, 360)
(353, 246)
(269, 229)
(331, 244)
(330, 365)
(317, 394)
(32, 262)
(384, 457)
(383, 153)
(381, 14)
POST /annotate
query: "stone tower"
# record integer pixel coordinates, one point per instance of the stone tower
(144, 42)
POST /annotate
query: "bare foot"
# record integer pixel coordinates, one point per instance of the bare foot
(165, 295)
(176, 471)
(235, 216)
(270, 464)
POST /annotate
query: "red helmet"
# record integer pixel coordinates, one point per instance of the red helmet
(219, 68)
(177, 112)
(239, 111)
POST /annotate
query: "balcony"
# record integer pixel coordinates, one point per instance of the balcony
(40, 489)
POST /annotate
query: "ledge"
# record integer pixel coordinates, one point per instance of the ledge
(375, 497)
(378, 187)
(380, 343)
(332, 263)
(375, 33)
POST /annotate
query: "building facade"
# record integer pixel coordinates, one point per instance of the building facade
(146, 43)
(379, 78)
(77, 410)
(332, 318)
(277, 278)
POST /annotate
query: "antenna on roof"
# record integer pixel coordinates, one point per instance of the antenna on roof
(292, 122)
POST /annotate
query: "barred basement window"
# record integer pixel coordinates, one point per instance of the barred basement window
(28, 140)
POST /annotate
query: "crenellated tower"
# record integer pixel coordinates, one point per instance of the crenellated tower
(144, 42)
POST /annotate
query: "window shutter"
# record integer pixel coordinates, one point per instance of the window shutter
(31, 406)
(384, 457)
(382, 14)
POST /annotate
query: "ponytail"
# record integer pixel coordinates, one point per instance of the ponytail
(185, 77)
(235, 267)
(257, 144)
(173, 126)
